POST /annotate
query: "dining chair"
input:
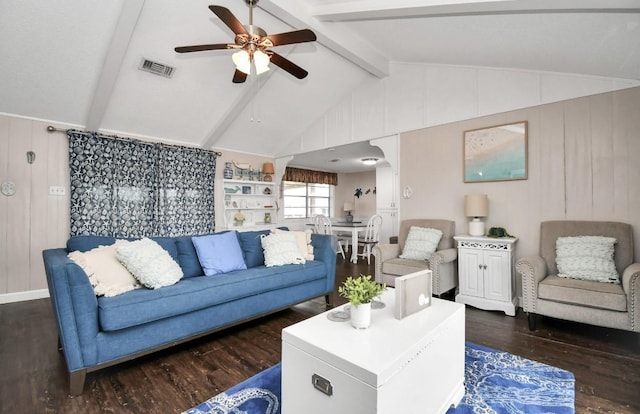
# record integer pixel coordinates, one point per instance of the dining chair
(370, 238)
(322, 225)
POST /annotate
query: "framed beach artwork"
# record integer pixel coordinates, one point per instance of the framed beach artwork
(497, 153)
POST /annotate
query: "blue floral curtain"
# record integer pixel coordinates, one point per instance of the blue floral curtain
(129, 188)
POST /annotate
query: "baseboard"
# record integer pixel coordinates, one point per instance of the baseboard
(23, 296)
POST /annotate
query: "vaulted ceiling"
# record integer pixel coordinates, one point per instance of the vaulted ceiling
(77, 61)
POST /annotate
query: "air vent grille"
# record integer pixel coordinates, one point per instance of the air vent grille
(156, 68)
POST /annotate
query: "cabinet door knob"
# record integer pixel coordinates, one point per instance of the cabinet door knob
(485, 267)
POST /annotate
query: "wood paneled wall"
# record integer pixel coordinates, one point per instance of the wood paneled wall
(31, 220)
(417, 96)
(584, 164)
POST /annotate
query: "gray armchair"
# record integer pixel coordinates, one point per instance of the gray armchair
(388, 264)
(595, 303)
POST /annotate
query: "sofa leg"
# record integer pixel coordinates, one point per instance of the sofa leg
(76, 382)
(532, 321)
(328, 302)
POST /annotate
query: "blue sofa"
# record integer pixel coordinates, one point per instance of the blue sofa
(96, 332)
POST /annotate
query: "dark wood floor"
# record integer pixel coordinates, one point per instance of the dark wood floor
(605, 362)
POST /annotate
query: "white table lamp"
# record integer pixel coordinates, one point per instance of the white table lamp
(349, 207)
(476, 206)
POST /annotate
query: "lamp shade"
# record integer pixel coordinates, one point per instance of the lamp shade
(242, 60)
(476, 205)
(261, 60)
(348, 206)
(267, 168)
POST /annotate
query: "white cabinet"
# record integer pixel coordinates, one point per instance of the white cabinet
(253, 200)
(389, 224)
(486, 273)
(386, 188)
(387, 202)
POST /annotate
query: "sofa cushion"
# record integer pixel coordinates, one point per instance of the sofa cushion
(582, 292)
(149, 263)
(421, 243)
(143, 305)
(219, 253)
(587, 258)
(188, 257)
(86, 243)
(107, 275)
(403, 267)
(281, 249)
(252, 247)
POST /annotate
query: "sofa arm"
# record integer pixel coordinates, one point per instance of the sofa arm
(75, 307)
(324, 250)
(533, 269)
(382, 252)
(631, 286)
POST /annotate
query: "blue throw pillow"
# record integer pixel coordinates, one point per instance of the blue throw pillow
(219, 253)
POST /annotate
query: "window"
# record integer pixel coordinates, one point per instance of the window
(304, 200)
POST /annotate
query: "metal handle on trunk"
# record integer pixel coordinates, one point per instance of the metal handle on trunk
(322, 384)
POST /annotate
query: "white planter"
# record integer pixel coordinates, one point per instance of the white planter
(361, 315)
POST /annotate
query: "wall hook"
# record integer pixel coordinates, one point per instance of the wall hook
(31, 157)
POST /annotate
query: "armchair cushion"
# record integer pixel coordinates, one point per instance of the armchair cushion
(583, 293)
(421, 243)
(587, 258)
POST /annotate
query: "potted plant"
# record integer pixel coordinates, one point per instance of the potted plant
(360, 292)
(238, 219)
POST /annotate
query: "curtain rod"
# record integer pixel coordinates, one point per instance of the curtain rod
(51, 128)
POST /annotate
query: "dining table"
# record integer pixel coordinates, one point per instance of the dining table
(354, 227)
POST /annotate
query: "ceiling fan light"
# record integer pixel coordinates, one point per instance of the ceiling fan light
(261, 60)
(242, 61)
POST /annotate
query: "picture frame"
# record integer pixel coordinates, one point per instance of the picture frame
(246, 189)
(496, 153)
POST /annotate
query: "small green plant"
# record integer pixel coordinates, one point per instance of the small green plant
(361, 289)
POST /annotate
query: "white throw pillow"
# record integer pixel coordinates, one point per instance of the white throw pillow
(107, 275)
(152, 265)
(303, 238)
(280, 249)
(421, 243)
(587, 258)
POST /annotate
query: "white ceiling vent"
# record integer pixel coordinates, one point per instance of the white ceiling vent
(156, 68)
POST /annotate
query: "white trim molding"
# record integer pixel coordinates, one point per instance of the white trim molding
(23, 296)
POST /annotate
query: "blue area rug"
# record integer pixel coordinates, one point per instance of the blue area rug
(495, 382)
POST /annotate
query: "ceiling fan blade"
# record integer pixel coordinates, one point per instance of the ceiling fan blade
(239, 77)
(200, 48)
(297, 36)
(288, 65)
(229, 19)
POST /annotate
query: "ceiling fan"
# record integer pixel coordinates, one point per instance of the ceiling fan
(253, 45)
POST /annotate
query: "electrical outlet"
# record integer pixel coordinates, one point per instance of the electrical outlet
(57, 190)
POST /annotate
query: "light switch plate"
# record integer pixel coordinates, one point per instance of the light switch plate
(56, 190)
